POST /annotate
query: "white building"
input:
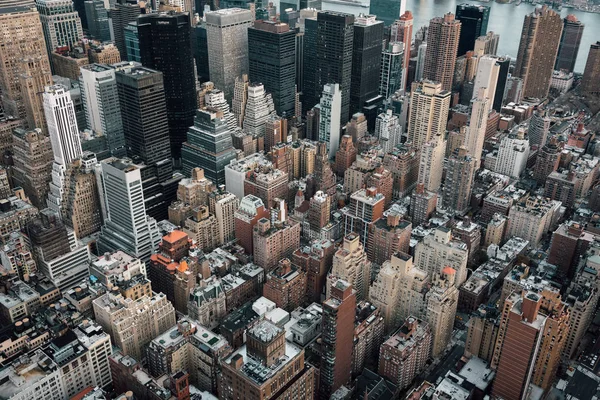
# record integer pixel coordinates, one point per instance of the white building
(388, 130)
(475, 137)
(431, 163)
(259, 107)
(329, 122)
(486, 77)
(561, 81)
(438, 250)
(513, 154)
(531, 219)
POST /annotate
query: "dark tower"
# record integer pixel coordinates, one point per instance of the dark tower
(474, 20)
(366, 61)
(335, 34)
(310, 92)
(504, 63)
(569, 44)
(272, 62)
(165, 46)
(122, 13)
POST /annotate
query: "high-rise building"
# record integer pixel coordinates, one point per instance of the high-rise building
(487, 44)
(366, 207)
(335, 34)
(401, 31)
(121, 14)
(223, 206)
(208, 146)
(428, 113)
(387, 237)
(388, 130)
(540, 39)
(97, 19)
(272, 62)
(539, 127)
(475, 132)
(322, 177)
(257, 107)
(24, 46)
(227, 37)
(547, 161)
(387, 11)
(501, 86)
(442, 48)
(366, 61)
(422, 205)
(286, 285)
(165, 45)
(250, 211)
(346, 154)
(590, 83)
(309, 85)
(404, 355)
(487, 76)
(460, 170)
(439, 250)
(569, 44)
(61, 23)
(512, 154)
(431, 163)
(202, 227)
(393, 71)
(474, 21)
(100, 97)
(532, 218)
(274, 241)
(337, 338)
(329, 121)
(350, 264)
(126, 226)
(32, 164)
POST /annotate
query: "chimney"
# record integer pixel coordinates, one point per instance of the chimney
(393, 220)
(237, 361)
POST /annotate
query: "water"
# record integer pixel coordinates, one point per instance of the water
(507, 21)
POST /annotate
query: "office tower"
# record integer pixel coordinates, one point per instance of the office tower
(100, 95)
(442, 47)
(286, 285)
(366, 207)
(388, 130)
(121, 318)
(200, 51)
(487, 44)
(474, 22)
(257, 108)
(420, 64)
(488, 71)
(24, 45)
(61, 23)
(81, 209)
(32, 164)
(209, 96)
(547, 161)
(475, 136)
(224, 205)
(122, 13)
(227, 37)
(345, 156)
(132, 42)
(240, 98)
(329, 121)
(335, 34)
(272, 62)
(569, 44)
(422, 205)
(350, 265)
(590, 83)
(308, 75)
(162, 36)
(539, 127)
(97, 19)
(337, 338)
(392, 69)
(387, 11)
(460, 170)
(126, 226)
(512, 154)
(208, 146)
(250, 211)
(267, 366)
(428, 113)
(439, 250)
(366, 61)
(388, 236)
(540, 39)
(431, 163)
(401, 31)
(504, 65)
(403, 355)
(276, 135)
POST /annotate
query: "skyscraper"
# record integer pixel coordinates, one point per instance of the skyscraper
(569, 44)
(126, 227)
(474, 22)
(335, 33)
(337, 338)
(590, 83)
(387, 11)
(23, 41)
(227, 37)
(388, 130)
(208, 146)
(272, 62)
(475, 136)
(350, 264)
(392, 69)
(401, 31)
(61, 23)
(539, 127)
(310, 89)
(431, 162)
(366, 61)
(165, 45)
(460, 170)
(442, 47)
(487, 44)
(504, 64)
(121, 14)
(428, 112)
(97, 19)
(62, 125)
(487, 77)
(329, 122)
(100, 97)
(540, 39)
